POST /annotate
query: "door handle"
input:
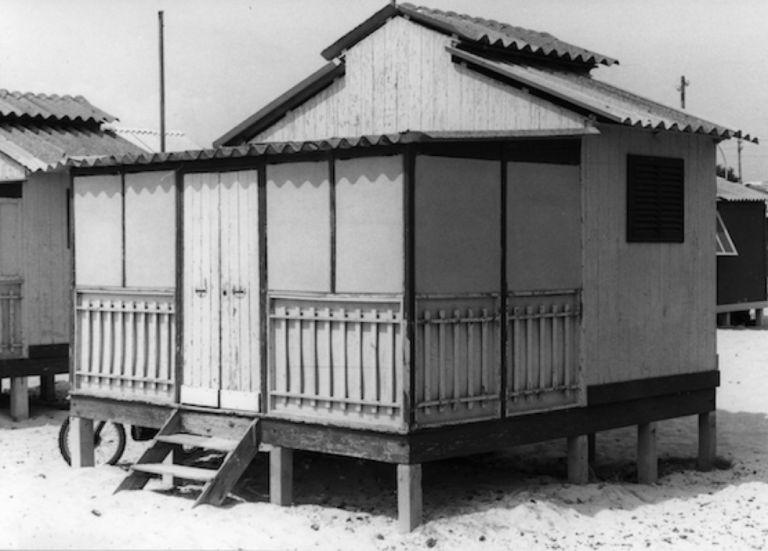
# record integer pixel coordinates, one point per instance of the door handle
(201, 292)
(238, 291)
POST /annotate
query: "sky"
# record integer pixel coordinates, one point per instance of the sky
(226, 59)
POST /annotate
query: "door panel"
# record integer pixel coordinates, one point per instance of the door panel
(240, 358)
(202, 325)
(221, 291)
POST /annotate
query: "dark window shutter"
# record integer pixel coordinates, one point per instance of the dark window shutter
(655, 200)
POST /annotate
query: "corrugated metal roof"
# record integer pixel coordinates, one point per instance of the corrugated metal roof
(38, 147)
(601, 99)
(312, 146)
(474, 30)
(149, 139)
(734, 191)
(26, 105)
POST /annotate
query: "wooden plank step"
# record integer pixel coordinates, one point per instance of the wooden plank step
(196, 441)
(177, 471)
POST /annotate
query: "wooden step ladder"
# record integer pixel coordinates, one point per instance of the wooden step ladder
(177, 434)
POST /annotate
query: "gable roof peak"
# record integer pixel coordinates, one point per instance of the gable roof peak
(472, 30)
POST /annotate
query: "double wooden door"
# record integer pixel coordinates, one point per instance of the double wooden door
(221, 355)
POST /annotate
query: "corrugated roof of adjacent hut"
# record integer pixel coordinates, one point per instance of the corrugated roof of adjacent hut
(27, 105)
(485, 32)
(594, 97)
(149, 139)
(40, 131)
(734, 191)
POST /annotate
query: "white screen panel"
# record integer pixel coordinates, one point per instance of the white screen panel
(369, 225)
(150, 229)
(543, 227)
(299, 227)
(458, 225)
(98, 205)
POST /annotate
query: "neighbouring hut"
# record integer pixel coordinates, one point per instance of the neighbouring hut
(741, 253)
(534, 262)
(38, 132)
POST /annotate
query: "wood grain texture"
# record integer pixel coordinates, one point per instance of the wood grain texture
(648, 307)
(400, 78)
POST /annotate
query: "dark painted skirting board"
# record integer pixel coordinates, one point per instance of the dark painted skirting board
(611, 406)
(32, 367)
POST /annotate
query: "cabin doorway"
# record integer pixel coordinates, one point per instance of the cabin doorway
(221, 356)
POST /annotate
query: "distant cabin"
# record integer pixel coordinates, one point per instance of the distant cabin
(448, 240)
(741, 253)
(39, 134)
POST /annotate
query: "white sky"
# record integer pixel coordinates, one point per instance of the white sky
(226, 59)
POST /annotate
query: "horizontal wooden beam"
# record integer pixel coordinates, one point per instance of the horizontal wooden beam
(656, 386)
(471, 438)
(141, 414)
(32, 367)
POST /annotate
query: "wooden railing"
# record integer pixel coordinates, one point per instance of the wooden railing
(457, 359)
(336, 358)
(542, 350)
(125, 343)
(11, 345)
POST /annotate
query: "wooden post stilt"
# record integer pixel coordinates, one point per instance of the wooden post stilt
(19, 399)
(707, 440)
(281, 476)
(758, 317)
(47, 388)
(647, 461)
(727, 320)
(81, 431)
(409, 499)
(578, 459)
(592, 447)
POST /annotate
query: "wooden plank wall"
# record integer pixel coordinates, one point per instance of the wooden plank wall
(649, 308)
(10, 169)
(400, 78)
(47, 254)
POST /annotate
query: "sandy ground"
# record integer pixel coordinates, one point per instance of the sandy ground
(512, 500)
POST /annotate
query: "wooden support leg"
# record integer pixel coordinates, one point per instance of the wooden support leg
(647, 461)
(409, 501)
(592, 447)
(707, 440)
(578, 459)
(281, 476)
(19, 399)
(758, 317)
(48, 388)
(81, 431)
(727, 321)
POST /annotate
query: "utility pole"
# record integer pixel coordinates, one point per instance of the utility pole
(162, 84)
(739, 147)
(683, 85)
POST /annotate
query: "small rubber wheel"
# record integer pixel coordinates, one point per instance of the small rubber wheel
(108, 442)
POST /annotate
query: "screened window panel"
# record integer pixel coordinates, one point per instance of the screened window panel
(458, 225)
(98, 205)
(150, 229)
(543, 226)
(299, 227)
(369, 225)
(655, 200)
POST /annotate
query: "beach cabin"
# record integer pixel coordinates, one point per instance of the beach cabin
(451, 239)
(741, 253)
(38, 133)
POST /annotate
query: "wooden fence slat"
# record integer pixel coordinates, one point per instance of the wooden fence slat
(557, 365)
(470, 357)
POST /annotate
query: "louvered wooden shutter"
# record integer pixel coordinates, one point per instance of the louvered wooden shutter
(655, 200)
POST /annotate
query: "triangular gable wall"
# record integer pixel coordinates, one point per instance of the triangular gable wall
(402, 78)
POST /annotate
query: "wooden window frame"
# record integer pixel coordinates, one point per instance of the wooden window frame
(655, 199)
(724, 243)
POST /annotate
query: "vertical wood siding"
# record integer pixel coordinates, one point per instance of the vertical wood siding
(401, 78)
(47, 259)
(11, 245)
(11, 344)
(649, 308)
